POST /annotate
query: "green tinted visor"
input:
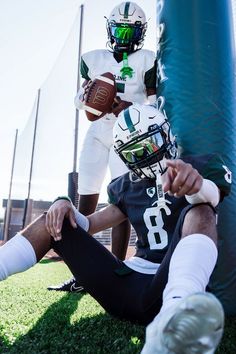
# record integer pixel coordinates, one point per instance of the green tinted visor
(143, 149)
(124, 33)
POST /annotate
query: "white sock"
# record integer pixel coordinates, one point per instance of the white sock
(16, 255)
(191, 266)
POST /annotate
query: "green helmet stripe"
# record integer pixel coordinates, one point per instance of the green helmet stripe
(126, 13)
(128, 121)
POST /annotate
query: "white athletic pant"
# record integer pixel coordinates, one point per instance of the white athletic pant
(96, 155)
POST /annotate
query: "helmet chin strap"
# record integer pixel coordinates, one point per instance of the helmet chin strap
(161, 201)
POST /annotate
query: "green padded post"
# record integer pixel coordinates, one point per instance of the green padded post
(196, 74)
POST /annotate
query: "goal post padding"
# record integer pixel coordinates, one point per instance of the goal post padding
(196, 74)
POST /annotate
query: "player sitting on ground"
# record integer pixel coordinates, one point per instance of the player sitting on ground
(171, 203)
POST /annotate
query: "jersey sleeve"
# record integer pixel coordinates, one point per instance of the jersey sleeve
(116, 192)
(150, 77)
(217, 171)
(84, 70)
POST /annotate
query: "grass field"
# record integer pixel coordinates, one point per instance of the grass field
(35, 320)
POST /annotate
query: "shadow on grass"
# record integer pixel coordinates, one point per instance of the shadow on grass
(51, 325)
(55, 334)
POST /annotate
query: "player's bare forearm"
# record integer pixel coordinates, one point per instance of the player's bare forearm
(105, 218)
(151, 91)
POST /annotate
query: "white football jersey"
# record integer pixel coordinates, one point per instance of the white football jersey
(97, 152)
(132, 89)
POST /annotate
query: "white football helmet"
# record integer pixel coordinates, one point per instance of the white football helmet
(126, 27)
(143, 140)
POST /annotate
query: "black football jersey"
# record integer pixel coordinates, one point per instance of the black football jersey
(137, 198)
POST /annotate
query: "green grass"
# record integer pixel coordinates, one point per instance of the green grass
(36, 321)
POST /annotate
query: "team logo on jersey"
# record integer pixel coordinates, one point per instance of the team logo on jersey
(151, 191)
(228, 175)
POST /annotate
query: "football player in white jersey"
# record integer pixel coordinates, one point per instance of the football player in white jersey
(134, 70)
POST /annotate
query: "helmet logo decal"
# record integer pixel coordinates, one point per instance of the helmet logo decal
(128, 121)
(126, 14)
(151, 191)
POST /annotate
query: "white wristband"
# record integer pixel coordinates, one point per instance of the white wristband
(81, 219)
(79, 99)
(209, 193)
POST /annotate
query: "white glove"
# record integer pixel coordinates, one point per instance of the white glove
(79, 98)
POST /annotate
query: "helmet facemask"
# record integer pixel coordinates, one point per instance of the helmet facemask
(146, 155)
(125, 37)
(126, 28)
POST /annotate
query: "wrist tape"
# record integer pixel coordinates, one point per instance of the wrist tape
(209, 193)
(81, 219)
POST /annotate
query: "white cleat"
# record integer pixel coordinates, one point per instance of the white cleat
(194, 326)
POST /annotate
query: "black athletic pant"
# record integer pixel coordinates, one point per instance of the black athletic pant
(122, 292)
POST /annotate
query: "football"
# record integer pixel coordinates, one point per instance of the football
(100, 96)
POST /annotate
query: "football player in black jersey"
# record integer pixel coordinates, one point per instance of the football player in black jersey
(172, 205)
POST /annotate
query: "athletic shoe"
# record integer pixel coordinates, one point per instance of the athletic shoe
(193, 326)
(71, 285)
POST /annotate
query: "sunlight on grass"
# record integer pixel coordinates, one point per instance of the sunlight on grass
(37, 321)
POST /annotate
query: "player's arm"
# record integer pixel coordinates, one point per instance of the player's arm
(181, 179)
(150, 84)
(80, 96)
(151, 95)
(98, 221)
(105, 218)
(119, 105)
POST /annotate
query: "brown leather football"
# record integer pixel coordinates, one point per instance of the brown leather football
(100, 96)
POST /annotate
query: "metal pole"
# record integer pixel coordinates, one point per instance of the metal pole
(77, 87)
(8, 208)
(73, 176)
(32, 160)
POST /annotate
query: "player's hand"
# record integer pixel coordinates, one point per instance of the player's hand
(181, 178)
(81, 95)
(119, 105)
(55, 217)
(86, 87)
